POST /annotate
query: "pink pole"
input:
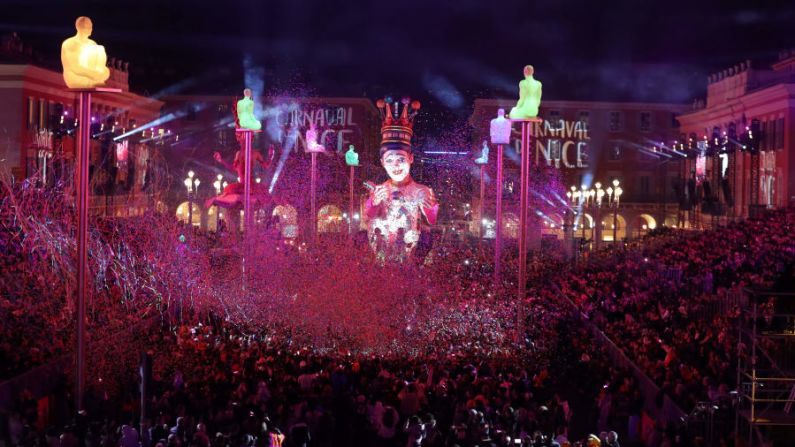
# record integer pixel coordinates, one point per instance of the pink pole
(83, 157)
(350, 202)
(247, 228)
(498, 218)
(312, 201)
(247, 184)
(524, 174)
(482, 198)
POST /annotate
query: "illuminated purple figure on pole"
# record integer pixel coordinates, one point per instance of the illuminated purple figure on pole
(399, 209)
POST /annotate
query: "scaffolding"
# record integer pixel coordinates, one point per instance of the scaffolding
(766, 368)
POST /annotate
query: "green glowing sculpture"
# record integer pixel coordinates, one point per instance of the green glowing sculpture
(484, 154)
(245, 112)
(82, 59)
(351, 157)
(529, 96)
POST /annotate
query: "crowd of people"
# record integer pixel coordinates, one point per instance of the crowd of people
(215, 386)
(463, 370)
(658, 302)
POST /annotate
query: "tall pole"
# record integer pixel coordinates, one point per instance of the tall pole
(350, 200)
(583, 220)
(498, 218)
(312, 197)
(190, 208)
(597, 229)
(248, 136)
(527, 134)
(83, 157)
(482, 198)
(615, 222)
(81, 200)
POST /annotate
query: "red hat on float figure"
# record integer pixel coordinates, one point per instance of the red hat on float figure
(397, 127)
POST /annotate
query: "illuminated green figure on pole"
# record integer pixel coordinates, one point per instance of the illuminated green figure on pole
(351, 157)
(529, 96)
(245, 112)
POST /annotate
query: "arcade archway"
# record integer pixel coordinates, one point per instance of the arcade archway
(286, 218)
(183, 213)
(642, 224)
(510, 225)
(330, 220)
(613, 224)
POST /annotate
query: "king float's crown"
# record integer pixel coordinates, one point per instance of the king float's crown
(398, 124)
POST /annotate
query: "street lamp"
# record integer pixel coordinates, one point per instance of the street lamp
(218, 184)
(192, 185)
(614, 194)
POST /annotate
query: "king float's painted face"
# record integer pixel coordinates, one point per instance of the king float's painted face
(397, 164)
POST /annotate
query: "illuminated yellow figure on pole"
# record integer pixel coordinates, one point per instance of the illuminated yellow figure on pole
(82, 59)
(245, 112)
(529, 96)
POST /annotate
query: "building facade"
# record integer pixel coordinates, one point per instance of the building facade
(586, 143)
(205, 125)
(740, 140)
(38, 121)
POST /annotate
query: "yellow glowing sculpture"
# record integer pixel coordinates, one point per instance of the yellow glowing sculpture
(529, 96)
(245, 112)
(83, 60)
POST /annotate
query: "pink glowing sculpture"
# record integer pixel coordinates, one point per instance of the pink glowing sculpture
(500, 129)
(311, 140)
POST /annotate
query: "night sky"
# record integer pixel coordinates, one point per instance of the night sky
(444, 53)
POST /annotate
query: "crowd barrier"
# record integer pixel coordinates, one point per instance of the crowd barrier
(40, 381)
(669, 411)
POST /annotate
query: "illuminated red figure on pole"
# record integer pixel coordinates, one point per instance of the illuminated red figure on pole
(399, 209)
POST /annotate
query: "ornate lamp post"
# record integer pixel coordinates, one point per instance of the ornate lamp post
(597, 232)
(192, 185)
(217, 185)
(614, 193)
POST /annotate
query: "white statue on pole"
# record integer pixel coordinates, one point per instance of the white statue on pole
(500, 129)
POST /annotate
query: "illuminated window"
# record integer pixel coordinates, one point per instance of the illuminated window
(56, 114)
(223, 110)
(553, 117)
(615, 121)
(767, 135)
(554, 149)
(645, 121)
(42, 120)
(780, 134)
(615, 152)
(645, 186)
(584, 118)
(31, 113)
